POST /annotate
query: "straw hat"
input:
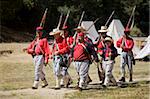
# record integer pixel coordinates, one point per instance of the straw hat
(80, 28)
(103, 29)
(108, 39)
(55, 31)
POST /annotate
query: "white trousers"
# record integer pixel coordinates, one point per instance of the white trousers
(39, 65)
(107, 69)
(82, 69)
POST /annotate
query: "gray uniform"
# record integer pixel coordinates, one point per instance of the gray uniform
(39, 64)
(107, 68)
(82, 69)
(126, 58)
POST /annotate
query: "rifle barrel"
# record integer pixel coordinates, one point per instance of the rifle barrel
(131, 16)
(109, 18)
(60, 19)
(81, 18)
(66, 18)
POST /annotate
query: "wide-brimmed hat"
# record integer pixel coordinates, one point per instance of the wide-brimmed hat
(80, 28)
(103, 29)
(108, 39)
(55, 31)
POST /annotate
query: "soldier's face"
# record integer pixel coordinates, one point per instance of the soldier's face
(78, 31)
(108, 43)
(66, 33)
(56, 36)
(103, 35)
(39, 33)
(80, 39)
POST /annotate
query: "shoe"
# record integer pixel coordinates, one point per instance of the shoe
(44, 83)
(43, 86)
(104, 86)
(122, 79)
(34, 88)
(57, 88)
(35, 85)
(69, 83)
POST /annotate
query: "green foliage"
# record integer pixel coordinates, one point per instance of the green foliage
(27, 13)
(29, 3)
(136, 31)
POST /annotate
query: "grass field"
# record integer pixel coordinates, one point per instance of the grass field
(17, 72)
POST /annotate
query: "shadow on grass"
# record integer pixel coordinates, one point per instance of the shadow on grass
(98, 86)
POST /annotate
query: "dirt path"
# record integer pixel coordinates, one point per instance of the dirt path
(44, 93)
(47, 93)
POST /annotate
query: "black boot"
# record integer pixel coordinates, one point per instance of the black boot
(122, 79)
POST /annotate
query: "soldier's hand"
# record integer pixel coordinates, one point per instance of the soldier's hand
(110, 54)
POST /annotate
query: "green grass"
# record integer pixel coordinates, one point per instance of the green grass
(138, 92)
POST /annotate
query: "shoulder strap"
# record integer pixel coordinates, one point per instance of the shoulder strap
(86, 50)
(40, 48)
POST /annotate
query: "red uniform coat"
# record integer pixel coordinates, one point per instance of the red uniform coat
(61, 46)
(100, 47)
(128, 44)
(69, 41)
(79, 53)
(40, 47)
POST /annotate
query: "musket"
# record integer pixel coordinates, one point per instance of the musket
(79, 24)
(99, 73)
(131, 17)
(66, 18)
(92, 24)
(75, 35)
(107, 22)
(60, 19)
(43, 18)
(109, 18)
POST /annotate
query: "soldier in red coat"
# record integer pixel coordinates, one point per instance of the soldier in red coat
(39, 49)
(80, 29)
(109, 54)
(101, 46)
(82, 56)
(66, 81)
(59, 50)
(126, 43)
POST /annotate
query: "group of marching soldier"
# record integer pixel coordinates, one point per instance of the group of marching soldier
(80, 50)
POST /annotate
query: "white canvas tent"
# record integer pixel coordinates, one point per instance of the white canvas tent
(92, 31)
(116, 30)
(145, 50)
